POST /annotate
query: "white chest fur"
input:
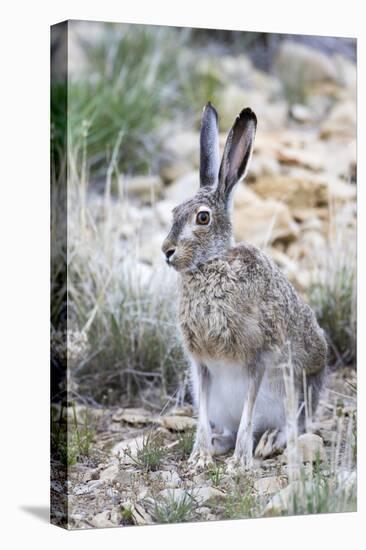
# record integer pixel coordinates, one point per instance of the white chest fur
(228, 392)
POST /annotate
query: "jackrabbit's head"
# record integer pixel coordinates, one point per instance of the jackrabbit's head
(201, 226)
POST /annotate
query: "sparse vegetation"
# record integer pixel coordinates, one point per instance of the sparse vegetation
(185, 444)
(150, 454)
(333, 298)
(71, 437)
(241, 501)
(215, 474)
(173, 509)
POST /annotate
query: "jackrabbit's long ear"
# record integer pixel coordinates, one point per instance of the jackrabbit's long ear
(237, 152)
(209, 145)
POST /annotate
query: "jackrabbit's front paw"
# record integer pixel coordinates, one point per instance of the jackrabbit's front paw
(270, 444)
(200, 460)
(239, 463)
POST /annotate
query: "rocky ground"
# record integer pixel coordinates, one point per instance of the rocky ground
(136, 471)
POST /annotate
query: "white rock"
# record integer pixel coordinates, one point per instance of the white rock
(131, 445)
(310, 448)
(301, 113)
(103, 519)
(183, 188)
(184, 146)
(342, 121)
(176, 168)
(270, 484)
(110, 473)
(297, 64)
(170, 478)
(163, 211)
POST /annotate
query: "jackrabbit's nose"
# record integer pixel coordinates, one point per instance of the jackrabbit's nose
(169, 253)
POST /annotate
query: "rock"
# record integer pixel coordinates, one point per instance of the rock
(133, 416)
(113, 495)
(132, 446)
(307, 158)
(183, 146)
(183, 188)
(300, 65)
(177, 423)
(199, 495)
(282, 501)
(176, 168)
(139, 514)
(184, 410)
(347, 73)
(301, 113)
(263, 165)
(87, 488)
(170, 478)
(310, 448)
(297, 193)
(104, 519)
(145, 187)
(270, 484)
(261, 221)
(203, 494)
(110, 473)
(163, 211)
(234, 97)
(341, 122)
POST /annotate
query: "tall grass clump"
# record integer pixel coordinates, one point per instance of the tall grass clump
(333, 297)
(125, 309)
(132, 79)
(126, 86)
(329, 483)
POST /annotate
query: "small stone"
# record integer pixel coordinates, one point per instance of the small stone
(88, 488)
(270, 484)
(177, 423)
(133, 416)
(183, 146)
(132, 446)
(170, 478)
(171, 171)
(301, 113)
(110, 473)
(103, 519)
(310, 448)
(183, 188)
(113, 494)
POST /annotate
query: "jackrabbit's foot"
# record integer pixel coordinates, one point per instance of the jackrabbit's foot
(271, 443)
(241, 461)
(200, 460)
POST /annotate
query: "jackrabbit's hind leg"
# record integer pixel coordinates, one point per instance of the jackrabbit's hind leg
(271, 443)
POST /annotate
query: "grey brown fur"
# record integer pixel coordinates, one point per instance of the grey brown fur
(241, 320)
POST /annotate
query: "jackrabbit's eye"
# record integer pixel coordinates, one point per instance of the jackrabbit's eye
(203, 217)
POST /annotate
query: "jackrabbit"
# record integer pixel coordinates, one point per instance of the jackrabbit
(241, 321)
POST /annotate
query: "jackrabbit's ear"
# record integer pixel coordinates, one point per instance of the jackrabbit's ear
(209, 145)
(237, 152)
